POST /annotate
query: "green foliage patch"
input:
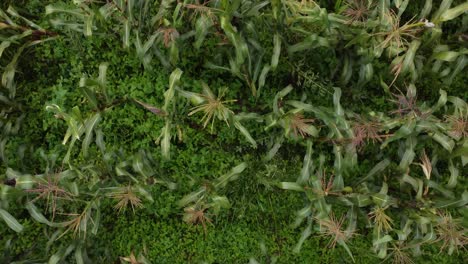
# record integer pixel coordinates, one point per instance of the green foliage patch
(233, 131)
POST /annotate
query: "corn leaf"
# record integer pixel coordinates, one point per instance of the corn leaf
(443, 140)
(293, 186)
(5, 44)
(307, 164)
(304, 235)
(151, 108)
(79, 255)
(454, 12)
(409, 154)
(408, 62)
(461, 63)
(336, 102)
(276, 51)
(462, 201)
(143, 192)
(37, 215)
(279, 96)
(231, 175)
(446, 55)
(345, 246)
(90, 125)
(311, 42)
(245, 132)
(11, 221)
(444, 6)
(426, 9)
(454, 173)
(379, 167)
(192, 197)
(62, 253)
(166, 140)
(262, 79)
(173, 81)
(202, 26)
(402, 132)
(126, 34)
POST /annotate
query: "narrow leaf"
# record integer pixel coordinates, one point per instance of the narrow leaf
(454, 12)
(166, 140)
(276, 51)
(304, 235)
(36, 214)
(153, 109)
(11, 221)
(245, 133)
(293, 186)
(90, 125)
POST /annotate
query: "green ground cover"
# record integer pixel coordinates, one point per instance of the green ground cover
(233, 131)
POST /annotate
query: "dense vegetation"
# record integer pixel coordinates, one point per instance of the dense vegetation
(237, 131)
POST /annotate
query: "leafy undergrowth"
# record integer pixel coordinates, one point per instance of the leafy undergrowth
(157, 232)
(233, 131)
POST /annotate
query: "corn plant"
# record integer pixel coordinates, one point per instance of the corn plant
(293, 122)
(84, 126)
(68, 198)
(373, 29)
(167, 111)
(410, 123)
(152, 33)
(410, 194)
(70, 201)
(207, 198)
(213, 107)
(369, 29)
(246, 59)
(17, 35)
